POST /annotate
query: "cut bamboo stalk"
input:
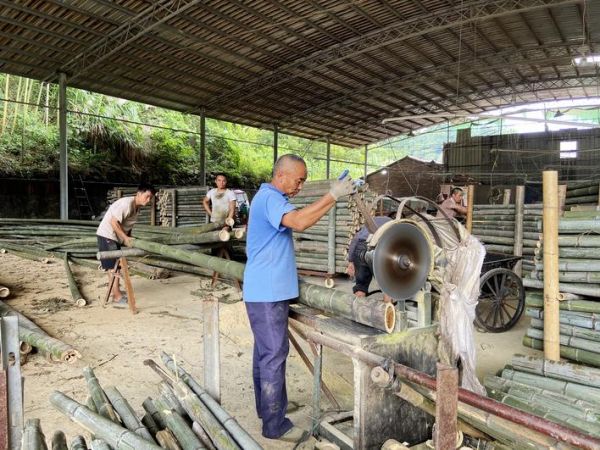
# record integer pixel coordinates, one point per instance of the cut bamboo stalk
(153, 413)
(59, 441)
(75, 294)
(116, 436)
(4, 291)
(551, 285)
(99, 444)
(242, 437)
(98, 395)
(167, 440)
(126, 413)
(33, 437)
(561, 370)
(32, 334)
(180, 429)
(575, 288)
(519, 213)
(78, 443)
(575, 354)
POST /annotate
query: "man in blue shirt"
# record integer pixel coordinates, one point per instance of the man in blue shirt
(271, 283)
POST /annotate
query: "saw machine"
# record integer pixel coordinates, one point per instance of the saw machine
(402, 254)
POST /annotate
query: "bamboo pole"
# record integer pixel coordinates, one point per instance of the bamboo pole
(166, 440)
(98, 395)
(116, 436)
(4, 291)
(178, 426)
(33, 437)
(245, 440)
(519, 213)
(506, 197)
(75, 294)
(126, 413)
(551, 283)
(59, 441)
(99, 444)
(32, 334)
(470, 201)
(78, 443)
(561, 370)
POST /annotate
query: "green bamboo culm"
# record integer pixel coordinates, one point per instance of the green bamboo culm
(75, 294)
(561, 370)
(178, 426)
(167, 440)
(116, 436)
(30, 333)
(99, 444)
(566, 305)
(568, 341)
(78, 443)
(574, 354)
(33, 437)
(126, 413)
(98, 395)
(569, 331)
(59, 441)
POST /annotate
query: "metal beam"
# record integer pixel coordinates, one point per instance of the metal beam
(472, 12)
(515, 58)
(275, 143)
(366, 160)
(63, 154)
(328, 161)
(139, 25)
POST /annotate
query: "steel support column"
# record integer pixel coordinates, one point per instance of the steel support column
(328, 160)
(275, 143)
(63, 156)
(366, 160)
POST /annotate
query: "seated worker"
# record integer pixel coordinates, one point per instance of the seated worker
(357, 268)
(115, 229)
(452, 206)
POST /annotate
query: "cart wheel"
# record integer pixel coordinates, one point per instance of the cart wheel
(501, 300)
(329, 283)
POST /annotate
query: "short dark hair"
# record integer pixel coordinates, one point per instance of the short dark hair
(285, 158)
(143, 187)
(220, 174)
(456, 190)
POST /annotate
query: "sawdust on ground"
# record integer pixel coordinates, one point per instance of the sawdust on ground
(115, 343)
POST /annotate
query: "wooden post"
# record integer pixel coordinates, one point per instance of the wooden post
(212, 353)
(506, 197)
(519, 213)
(446, 407)
(202, 148)
(470, 201)
(173, 208)
(128, 286)
(551, 301)
(153, 211)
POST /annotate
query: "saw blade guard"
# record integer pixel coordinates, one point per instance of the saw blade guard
(401, 256)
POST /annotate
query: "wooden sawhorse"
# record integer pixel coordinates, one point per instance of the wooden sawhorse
(121, 267)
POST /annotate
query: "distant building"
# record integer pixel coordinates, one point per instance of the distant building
(408, 176)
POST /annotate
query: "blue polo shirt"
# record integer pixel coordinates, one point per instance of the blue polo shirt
(270, 274)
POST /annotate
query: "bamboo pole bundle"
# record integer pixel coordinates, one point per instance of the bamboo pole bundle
(587, 321)
(182, 206)
(116, 436)
(30, 333)
(568, 388)
(560, 370)
(568, 352)
(574, 407)
(581, 193)
(178, 426)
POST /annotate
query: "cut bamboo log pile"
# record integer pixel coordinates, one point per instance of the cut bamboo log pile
(560, 391)
(182, 207)
(182, 416)
(583, 193)
(324, 246)
(495, 227)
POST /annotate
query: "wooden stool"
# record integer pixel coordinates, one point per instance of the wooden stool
(121, 267)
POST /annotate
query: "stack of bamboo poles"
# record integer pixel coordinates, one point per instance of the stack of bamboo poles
(182, 416)
(582, 193)
(564, 393)
(147, 215)
(495, 226)
(182, 207)
(324, 246)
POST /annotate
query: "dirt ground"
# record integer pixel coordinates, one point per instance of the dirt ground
(115, 343)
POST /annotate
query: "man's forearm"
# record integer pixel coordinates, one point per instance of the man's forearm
(118, 229)
(301, 219)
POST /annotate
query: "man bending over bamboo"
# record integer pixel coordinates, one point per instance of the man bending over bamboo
(115, 230)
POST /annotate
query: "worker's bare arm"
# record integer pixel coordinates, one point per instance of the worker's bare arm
(301, 219)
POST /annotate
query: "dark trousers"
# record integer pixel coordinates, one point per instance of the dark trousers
(269, 323)
(363, 275)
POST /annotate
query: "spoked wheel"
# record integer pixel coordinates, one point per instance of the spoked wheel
(501, 301)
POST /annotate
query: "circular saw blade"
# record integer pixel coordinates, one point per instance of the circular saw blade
(402, 260)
